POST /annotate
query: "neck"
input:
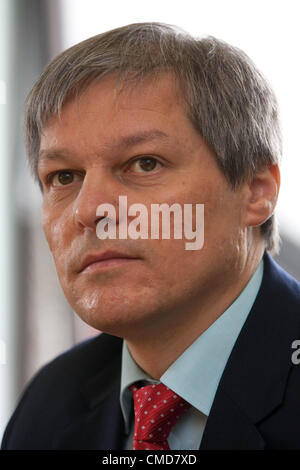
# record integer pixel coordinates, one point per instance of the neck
(155, 351)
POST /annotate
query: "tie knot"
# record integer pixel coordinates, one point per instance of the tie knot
(157, 409)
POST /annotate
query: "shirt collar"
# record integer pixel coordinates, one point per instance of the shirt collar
(195, 375)
(131, 373)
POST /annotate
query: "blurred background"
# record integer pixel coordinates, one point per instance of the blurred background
(36, 323)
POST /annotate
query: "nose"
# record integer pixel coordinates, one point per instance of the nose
(97, 188)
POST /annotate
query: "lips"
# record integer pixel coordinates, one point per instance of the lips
(107, 255)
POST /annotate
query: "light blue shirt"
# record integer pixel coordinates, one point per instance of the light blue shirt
(195, 375)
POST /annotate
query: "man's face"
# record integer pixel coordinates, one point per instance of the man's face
(138, 144)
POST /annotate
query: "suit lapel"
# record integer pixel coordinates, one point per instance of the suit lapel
(101, 425)
(254, 380)
(228, 427)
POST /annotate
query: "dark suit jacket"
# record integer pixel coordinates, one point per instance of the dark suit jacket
(73, 402)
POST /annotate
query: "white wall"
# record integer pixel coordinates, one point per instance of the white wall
(7, 317)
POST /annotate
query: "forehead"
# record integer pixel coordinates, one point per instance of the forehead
(109, 94)
(105, 111)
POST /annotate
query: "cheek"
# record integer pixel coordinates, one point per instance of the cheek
(58, 237)
(223, 240)
(53, 229)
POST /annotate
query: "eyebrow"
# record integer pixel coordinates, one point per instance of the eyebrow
(123, 142)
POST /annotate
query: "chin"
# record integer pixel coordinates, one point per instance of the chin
(115, 317)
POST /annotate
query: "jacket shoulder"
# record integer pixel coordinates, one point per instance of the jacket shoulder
(280, 285)
(53, 396)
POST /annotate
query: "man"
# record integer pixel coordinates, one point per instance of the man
(152, 114)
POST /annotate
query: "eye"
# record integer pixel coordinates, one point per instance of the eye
(146, 164)
(61, 178)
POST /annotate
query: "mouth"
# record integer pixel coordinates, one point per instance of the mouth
(108, 259)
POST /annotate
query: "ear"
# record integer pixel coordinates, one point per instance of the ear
(262, 196)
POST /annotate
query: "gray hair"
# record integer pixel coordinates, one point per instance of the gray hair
(227, 99)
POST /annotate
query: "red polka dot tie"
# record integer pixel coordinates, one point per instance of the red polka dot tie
(156, 409)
